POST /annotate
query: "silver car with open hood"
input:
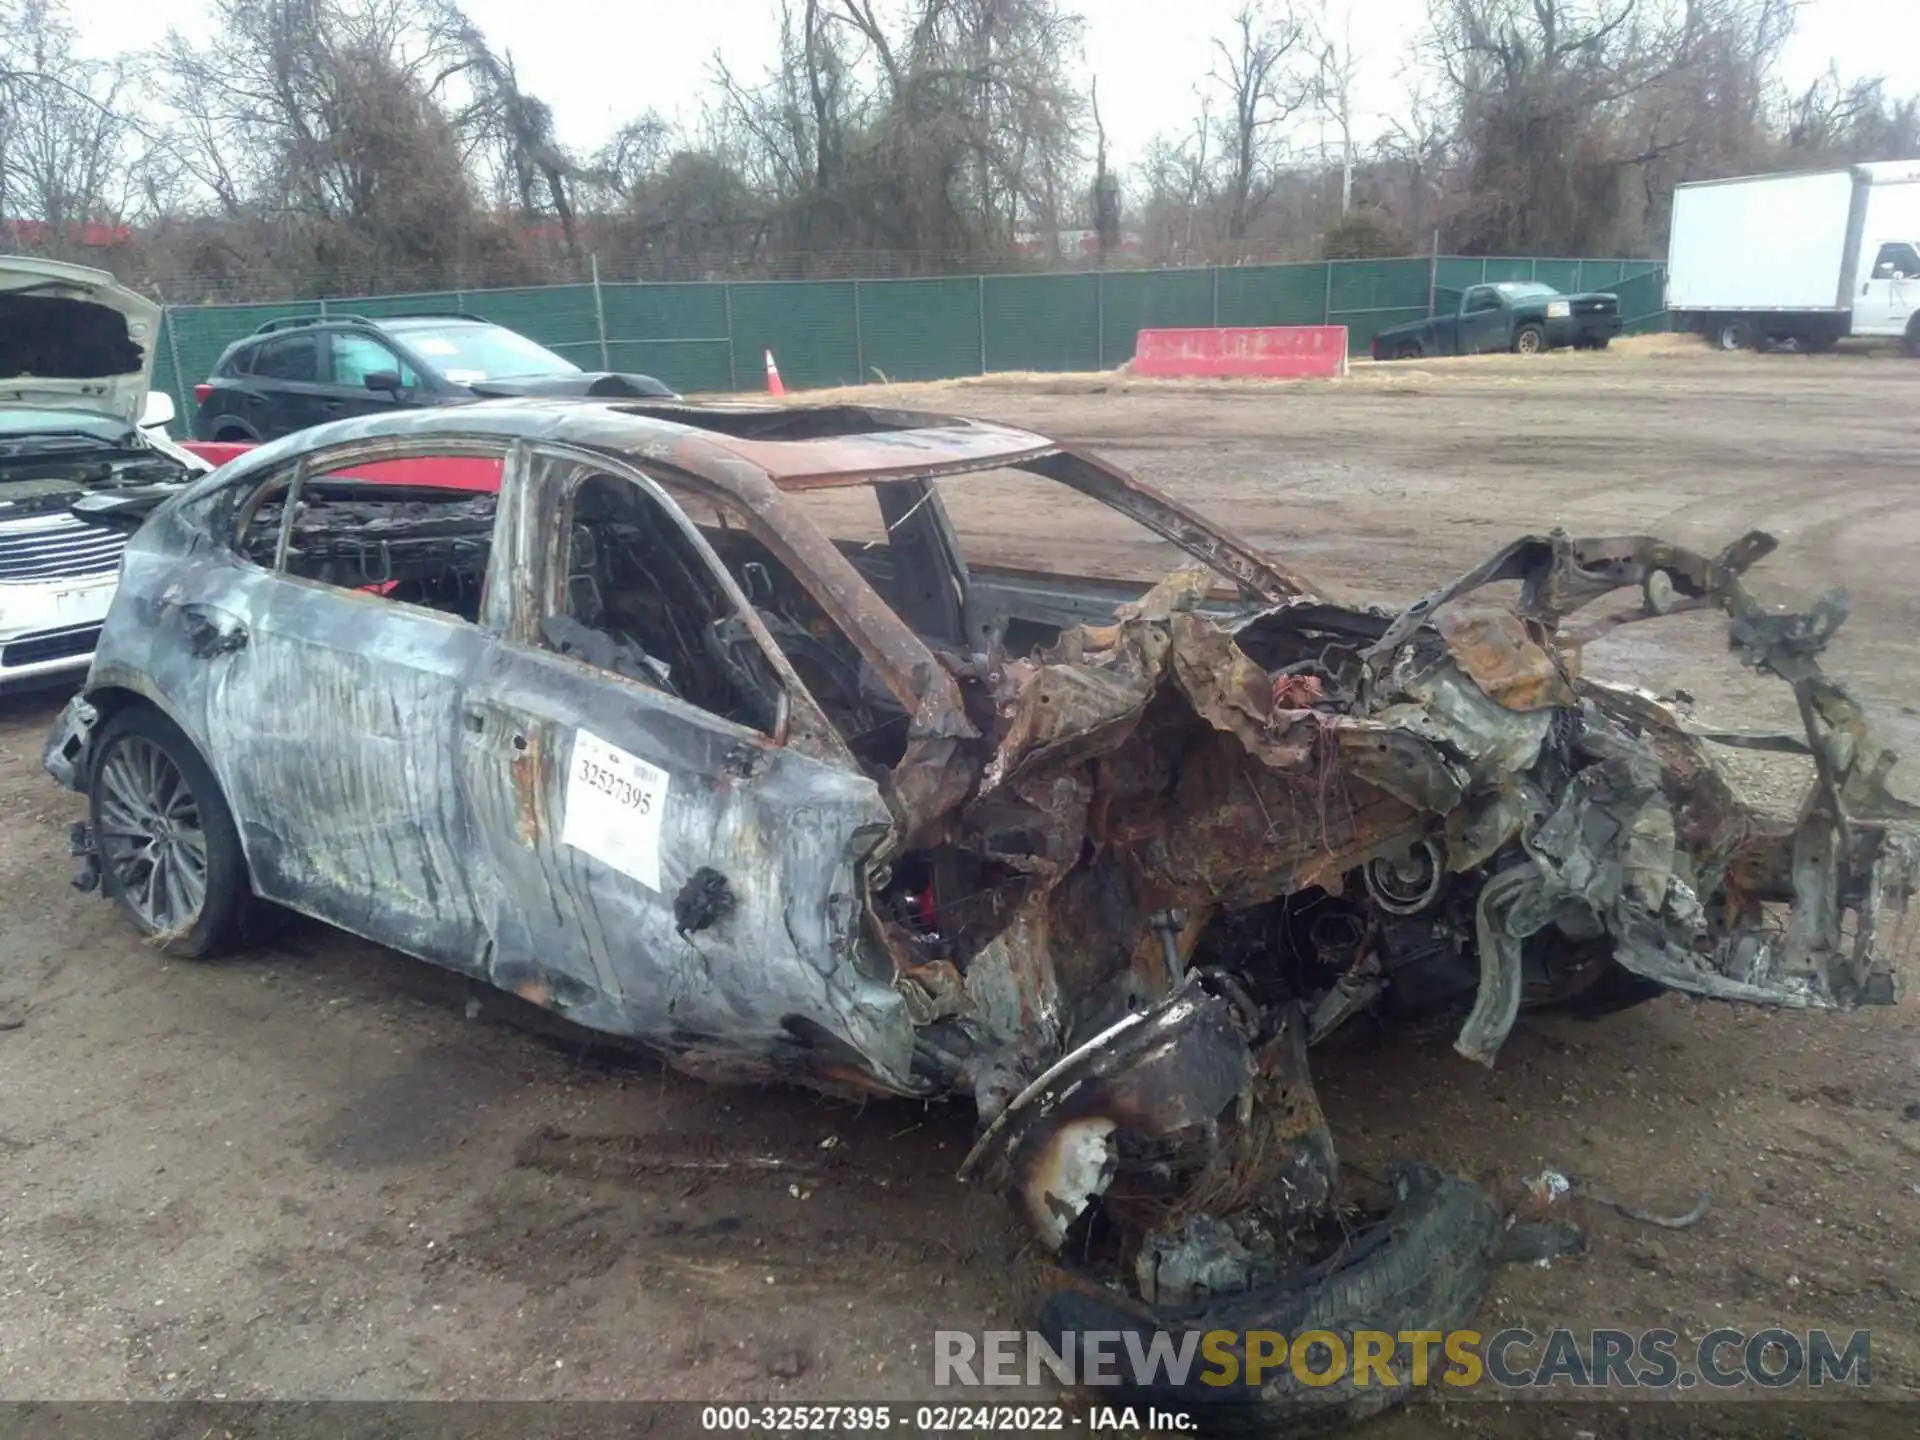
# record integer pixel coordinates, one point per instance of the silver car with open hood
(76, 416)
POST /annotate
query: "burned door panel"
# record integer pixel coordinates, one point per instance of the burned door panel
(326, 707)
(721, 977)
(664, 867)
(330, 730)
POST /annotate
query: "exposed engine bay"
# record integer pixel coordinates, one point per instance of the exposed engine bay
(1256, 832)
(1322, 813)
(44, 473)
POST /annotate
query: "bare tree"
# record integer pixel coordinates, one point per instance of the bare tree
(1851, 121)
(796, 125)
(1175, 182)
(308, 144)
(1258, 67)
(510, 128)
(1104, 196)
(1538, 83)
(1336, 66)
(1577, 117)
(1414, 155)
(939, 131)
(326, 114)
(639, 148)
(65, 134)
(1711, 112)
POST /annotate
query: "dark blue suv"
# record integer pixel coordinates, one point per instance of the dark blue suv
(293, 373)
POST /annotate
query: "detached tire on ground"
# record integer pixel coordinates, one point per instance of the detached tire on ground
(1424, 1266)
(1529, 340)
(169, 854)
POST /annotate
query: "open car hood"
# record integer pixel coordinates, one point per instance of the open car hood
(72, 337)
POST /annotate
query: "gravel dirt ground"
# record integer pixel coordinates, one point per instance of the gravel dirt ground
(315, 1171)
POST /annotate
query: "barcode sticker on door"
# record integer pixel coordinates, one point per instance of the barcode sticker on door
(616, 804)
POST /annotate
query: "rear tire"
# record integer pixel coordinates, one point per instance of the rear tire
(1910, 342)
(1409, 350)
(169, 854)
(1733, 335)
(1529, 340)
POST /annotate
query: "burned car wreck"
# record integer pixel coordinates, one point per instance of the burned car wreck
(620, 730)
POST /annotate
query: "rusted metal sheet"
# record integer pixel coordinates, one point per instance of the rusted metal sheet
(529, 802)
(1493, 647)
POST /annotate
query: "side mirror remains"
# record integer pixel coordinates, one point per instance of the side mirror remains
(158, 410)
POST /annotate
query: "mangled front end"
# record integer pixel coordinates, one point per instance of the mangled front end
(1199, 846)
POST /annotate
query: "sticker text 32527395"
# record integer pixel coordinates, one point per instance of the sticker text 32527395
(616, 805)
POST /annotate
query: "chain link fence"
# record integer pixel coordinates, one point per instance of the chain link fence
(704, 338)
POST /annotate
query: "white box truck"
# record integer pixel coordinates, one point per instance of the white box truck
(1802, 260)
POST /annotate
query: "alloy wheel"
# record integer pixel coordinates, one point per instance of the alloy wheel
(151, 837)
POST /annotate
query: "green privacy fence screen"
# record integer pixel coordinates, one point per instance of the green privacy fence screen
(713, 337)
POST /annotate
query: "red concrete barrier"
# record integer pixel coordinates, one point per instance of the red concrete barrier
(1271, 350)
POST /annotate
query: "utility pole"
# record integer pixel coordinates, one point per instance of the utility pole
(1334, 93)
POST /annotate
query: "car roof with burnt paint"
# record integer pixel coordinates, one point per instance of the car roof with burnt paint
(798, 447)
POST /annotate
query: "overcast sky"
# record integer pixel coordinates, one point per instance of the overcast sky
(600, 62)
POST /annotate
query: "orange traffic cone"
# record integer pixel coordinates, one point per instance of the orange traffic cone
(774, 387)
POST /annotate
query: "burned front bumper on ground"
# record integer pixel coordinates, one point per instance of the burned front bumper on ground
(67, 742)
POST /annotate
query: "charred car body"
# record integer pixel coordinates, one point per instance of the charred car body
(633, 739)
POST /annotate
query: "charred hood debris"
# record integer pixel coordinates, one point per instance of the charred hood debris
(1316, 810)
(1112, 886)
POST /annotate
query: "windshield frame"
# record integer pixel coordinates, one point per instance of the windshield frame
(442, 345)
(1526, 289)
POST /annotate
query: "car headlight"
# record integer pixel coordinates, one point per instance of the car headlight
(1558, 309)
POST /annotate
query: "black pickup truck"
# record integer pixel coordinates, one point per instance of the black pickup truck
(1519, 315)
